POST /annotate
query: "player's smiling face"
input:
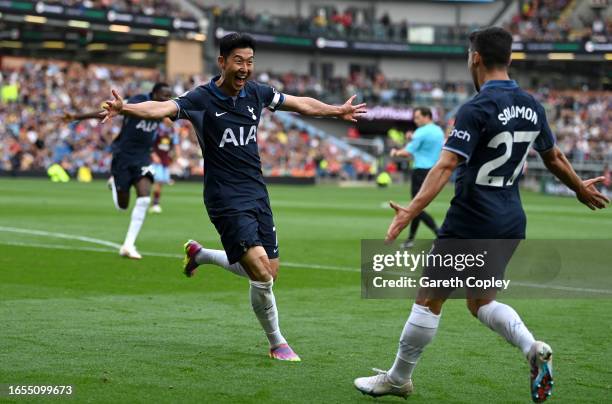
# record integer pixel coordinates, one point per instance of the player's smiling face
(237, 69)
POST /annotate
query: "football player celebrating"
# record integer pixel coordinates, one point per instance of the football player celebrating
(492, 135)
(225, 114)
(131, 164)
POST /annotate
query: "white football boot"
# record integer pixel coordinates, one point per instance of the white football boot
(380, 385)
(129, 252)
(155, 209)
(541, 376)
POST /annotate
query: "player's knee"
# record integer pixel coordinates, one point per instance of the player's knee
(274, 265)
(260, 271)
(257, 264)
(262, 274)
(122, 205)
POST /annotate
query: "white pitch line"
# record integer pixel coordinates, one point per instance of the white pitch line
(179, 256)
(56, 246)
(116, 246)
(563, 288)
(162, 255)
(59, 235)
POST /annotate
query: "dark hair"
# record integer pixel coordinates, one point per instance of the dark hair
(158, 86)
(426, 112)
(235, 40)
(494, 45)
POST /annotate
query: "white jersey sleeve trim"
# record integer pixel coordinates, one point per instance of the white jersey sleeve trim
(178, 113)
(459, 152)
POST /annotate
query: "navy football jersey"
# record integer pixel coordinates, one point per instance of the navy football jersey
(226, 128)
(493, 132)
(137, 135)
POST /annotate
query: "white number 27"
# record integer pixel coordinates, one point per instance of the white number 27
(508, 139)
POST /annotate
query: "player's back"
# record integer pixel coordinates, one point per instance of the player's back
(493, 132)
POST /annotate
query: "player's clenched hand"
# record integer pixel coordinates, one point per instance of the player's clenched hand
(401, 219)
(112, 108)
(590, 195)
(350, 112)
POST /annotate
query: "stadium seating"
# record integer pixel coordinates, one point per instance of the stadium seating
(534, 21)
(374, 89)
(351, 23)
(582, 123)
(33, 136)
(147, 7)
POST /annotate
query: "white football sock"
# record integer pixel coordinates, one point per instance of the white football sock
(219, 257)
(264, 306)
(502, 319)
(419, 330)
(138, 216)
(111, 181)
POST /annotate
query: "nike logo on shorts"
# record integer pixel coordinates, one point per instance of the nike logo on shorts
(219, 114)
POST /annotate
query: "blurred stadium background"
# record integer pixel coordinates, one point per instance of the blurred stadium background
(120, 330)
(64, 56)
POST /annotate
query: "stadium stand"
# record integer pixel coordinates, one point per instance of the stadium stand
(540, 20)
(34, 95)
(329, 21)
(582, 123)
(373, 88)
(535, 20)
(146, 7)
(32, 135)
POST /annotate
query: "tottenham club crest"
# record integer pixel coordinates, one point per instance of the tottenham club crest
(252, 111)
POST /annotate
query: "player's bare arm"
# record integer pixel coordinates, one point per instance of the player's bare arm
(586, 192)
(146, 110)
(433, 184)
(70, 116)
(311, 107)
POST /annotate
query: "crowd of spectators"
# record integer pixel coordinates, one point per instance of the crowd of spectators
(536, 20)
(166, 8)
(354, 22)
(288, 151)
(373, 88)
(543, 20)
(36, 95)
(582, 123)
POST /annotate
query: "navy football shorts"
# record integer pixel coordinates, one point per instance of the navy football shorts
(127, 172)
(241, 230)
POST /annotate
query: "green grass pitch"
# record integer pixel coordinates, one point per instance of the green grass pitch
(73, 312)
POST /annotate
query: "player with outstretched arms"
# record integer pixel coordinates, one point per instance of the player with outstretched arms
(493, 133)
(225, 114)
(131, 164)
